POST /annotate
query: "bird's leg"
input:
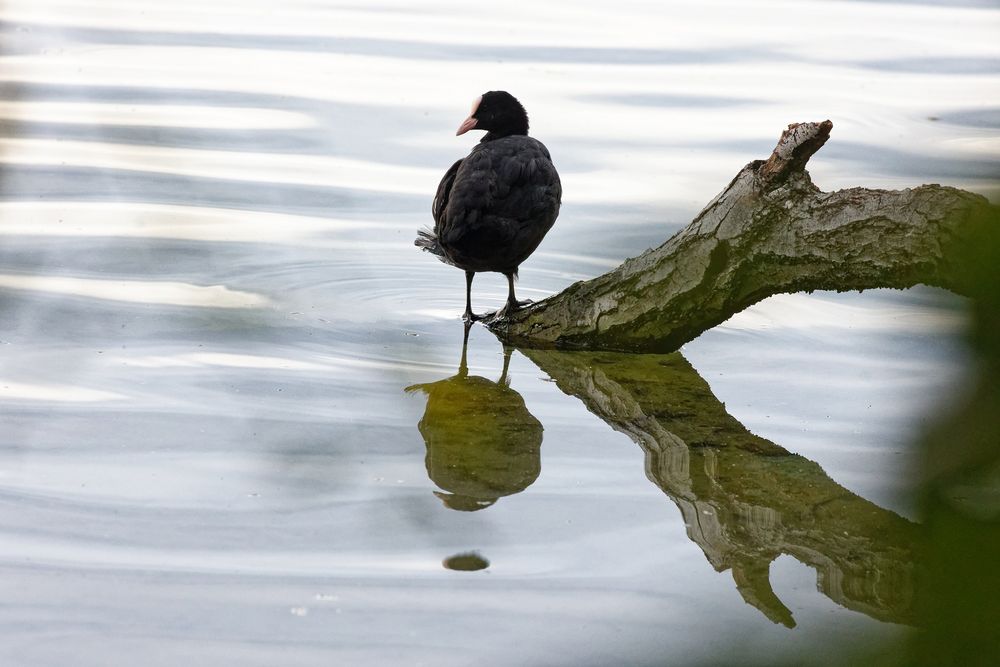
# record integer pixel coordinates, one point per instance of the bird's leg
(469, 316)
(512, 303)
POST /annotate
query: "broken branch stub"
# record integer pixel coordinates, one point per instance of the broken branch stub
(770, 231)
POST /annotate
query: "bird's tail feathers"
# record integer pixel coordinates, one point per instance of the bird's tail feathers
(428, 240)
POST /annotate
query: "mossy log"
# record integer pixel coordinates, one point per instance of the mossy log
(770, 231)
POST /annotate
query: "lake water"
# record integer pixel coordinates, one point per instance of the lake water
(234, 426)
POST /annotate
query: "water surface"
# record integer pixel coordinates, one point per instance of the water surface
(228, 381)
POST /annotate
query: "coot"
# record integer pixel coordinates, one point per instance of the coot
(493, 208)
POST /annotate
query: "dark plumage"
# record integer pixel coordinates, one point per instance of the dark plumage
(495, 206)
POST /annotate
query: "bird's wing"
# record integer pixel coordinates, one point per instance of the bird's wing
(499, 190)
(440, 204)
(528, 189)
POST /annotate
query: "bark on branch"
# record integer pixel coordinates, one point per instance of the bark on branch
(770, 231)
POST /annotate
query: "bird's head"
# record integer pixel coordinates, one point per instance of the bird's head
(499, 113)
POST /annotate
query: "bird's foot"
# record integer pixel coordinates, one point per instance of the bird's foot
(469, 317)
(511, 307)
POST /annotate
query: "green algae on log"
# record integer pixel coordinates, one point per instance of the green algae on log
(770, 231)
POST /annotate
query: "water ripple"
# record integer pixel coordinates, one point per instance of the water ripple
(212, 308)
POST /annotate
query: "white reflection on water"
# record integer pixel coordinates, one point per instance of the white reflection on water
(164, 221)
(136, 291)
(211, 306)
(263, 167)
(830, 317)
(141, 115)
(20, 391)
(318, 363)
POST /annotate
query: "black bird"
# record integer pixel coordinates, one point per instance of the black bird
(495, 206)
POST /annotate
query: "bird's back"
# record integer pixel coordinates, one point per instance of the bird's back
(493, 208)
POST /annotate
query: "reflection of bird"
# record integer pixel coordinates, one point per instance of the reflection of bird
(482, 443)
(493, 208)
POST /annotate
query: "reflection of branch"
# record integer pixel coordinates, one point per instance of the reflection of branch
(744, 499)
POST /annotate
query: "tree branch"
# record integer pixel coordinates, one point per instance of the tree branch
(770, 231)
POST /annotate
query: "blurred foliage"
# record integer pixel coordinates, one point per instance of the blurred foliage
(959, 605)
